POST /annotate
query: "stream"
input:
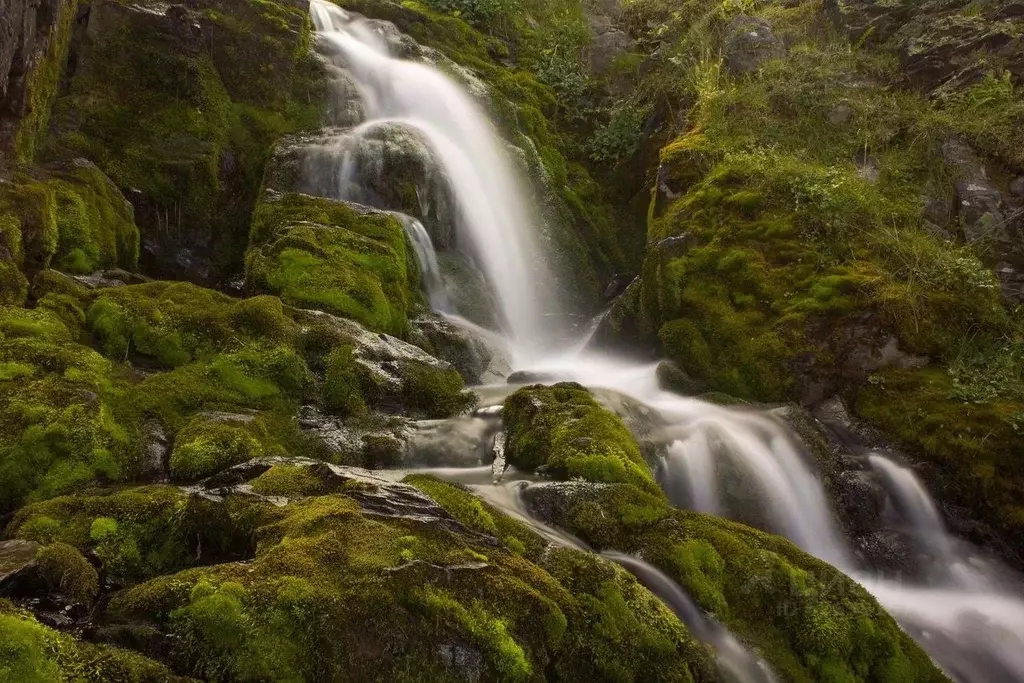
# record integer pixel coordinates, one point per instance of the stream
(964, 610)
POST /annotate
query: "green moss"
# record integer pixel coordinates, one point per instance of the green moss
(480, 516)
(177, 322)
(345, 383)
(288, 480)
(190, 130)
(826, 628)
(33, 653)
(563, 429)
(316, 253)
(974, 441)
(64, 422)
(71, 216)
(207, 446)
(42, 83)
(435, 392)
(64, 570)
(136, 533)
(329, 582)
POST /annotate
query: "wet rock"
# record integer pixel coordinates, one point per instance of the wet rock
(478, 359)
(671, 377)
(498, 453)
(619, 327)
(861, 500)
(889, 551)
(17, 562)
(156, 450)
(388, 167)
(619, 283)
(750, 43)
(374, 443)
(531, 377)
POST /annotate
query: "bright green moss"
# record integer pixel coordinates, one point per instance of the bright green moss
(64, 570)
(263, 379)
(479, 516)
(563, 429)
(810, 621)
(177, 322)
(485, 629)
(63, 422)
(33, 653)
(435, 392)
(207, 446)
(345, 383)
(288, 480)
(316, 253)
(137, 533)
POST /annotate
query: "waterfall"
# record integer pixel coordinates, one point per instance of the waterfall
(433, 283)
(969, 624)
(494, 220)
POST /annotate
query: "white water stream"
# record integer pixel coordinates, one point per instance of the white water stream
(969, 622)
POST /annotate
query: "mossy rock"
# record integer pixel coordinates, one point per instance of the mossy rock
(211, 443)
(564, 431)
(807, 619)
(34, 653)
(136, 533)
(174, 323)
(65, 420)
(64, 570)
(332, 580)
(327, 255)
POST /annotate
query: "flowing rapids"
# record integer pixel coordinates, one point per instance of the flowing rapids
(962, 613)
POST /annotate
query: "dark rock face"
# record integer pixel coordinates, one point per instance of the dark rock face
(27, 28)
(751, 43)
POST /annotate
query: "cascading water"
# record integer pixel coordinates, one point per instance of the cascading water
(972, 627)
(494, 217)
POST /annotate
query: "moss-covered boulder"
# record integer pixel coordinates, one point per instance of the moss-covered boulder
(34, 653)
(826, 628)
(60, 416)
(136, 533)
(69, 215)
(568, 434)
(335, 257)
(361, 562)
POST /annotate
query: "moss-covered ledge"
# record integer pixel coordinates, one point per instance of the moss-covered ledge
(336, 257)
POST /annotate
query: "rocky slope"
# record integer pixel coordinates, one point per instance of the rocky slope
(202, 363)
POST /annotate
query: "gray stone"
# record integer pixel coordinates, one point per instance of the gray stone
(841, 114)
(1017, 187)
(751, 43)
(979, 203)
